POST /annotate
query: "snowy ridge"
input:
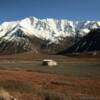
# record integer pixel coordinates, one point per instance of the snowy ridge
(47, 29)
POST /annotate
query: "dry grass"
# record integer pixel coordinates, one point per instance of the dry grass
(27, 85)
(51, 95)
(4, 95)
(72, 79)
(15, 85)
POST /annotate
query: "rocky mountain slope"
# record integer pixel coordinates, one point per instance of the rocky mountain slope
(89, 43)
(47, 35)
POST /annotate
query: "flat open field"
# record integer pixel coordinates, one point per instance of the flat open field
(73, 78)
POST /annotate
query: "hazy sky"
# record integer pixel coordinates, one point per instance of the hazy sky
(60, 9)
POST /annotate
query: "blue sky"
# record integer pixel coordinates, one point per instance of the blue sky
(59, 9)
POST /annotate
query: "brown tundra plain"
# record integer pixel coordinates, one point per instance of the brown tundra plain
(23, 77)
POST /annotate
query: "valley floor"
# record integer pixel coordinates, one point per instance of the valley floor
(72, 79)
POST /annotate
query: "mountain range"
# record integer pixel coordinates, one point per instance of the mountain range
(46, 35)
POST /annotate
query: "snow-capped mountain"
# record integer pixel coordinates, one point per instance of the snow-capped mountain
(18, 33)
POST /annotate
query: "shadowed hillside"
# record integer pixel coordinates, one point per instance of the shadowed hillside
(89, 43)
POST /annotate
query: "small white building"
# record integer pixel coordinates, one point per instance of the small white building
(49, 62)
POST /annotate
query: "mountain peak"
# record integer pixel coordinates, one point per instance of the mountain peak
(50, 29)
